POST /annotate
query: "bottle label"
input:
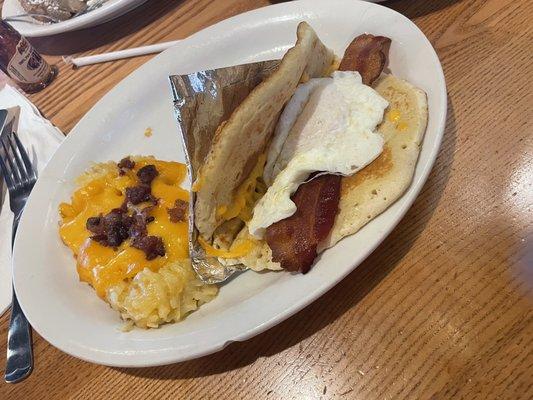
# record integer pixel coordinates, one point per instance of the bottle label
(26, 65)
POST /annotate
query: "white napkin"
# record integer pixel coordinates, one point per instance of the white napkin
(41, 139)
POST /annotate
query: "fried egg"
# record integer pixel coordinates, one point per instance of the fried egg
(328, 126)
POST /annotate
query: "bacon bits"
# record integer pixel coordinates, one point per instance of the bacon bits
(110, 230)
(147, 174)
(124, 164)
(138, 194)
(139, 222)
(120, 224)
(294, 240)
(178, 213)
(152, 246)
(142, 192)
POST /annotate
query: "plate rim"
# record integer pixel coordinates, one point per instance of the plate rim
(129, 360)
(96, 17)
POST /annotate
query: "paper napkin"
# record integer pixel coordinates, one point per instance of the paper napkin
(41, 139)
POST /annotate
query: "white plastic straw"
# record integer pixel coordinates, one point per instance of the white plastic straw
(120, 54)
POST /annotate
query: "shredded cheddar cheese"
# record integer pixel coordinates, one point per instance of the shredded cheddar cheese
(237, 249)
(103, 191)
(244, 199)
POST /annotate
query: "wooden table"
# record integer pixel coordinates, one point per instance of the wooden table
(441, 310)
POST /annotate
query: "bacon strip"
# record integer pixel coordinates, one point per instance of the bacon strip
(294, 240)
(367, 54)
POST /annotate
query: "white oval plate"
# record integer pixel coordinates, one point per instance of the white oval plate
(110, 10)
(70, 316)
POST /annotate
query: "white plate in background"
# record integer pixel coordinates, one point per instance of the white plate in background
(110, 10)
(68, 313)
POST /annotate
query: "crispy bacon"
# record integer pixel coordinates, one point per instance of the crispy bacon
(367, 54)
(294, 240)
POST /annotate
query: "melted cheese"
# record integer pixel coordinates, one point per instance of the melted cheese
(102, 266)
(333, 67)
(241, 208)
(198, 183)
(237, 249)
(245, 197)
(395, 116)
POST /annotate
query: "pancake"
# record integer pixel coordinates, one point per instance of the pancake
(376, 187)
(240, 141)
(372, 190)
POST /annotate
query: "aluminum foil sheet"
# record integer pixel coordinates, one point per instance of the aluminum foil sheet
(202, 101)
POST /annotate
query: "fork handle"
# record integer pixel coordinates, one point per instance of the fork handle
(19, 362)
(16, 218)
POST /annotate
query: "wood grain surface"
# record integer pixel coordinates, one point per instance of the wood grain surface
(441, 310)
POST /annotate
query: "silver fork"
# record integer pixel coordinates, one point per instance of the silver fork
(20, 177)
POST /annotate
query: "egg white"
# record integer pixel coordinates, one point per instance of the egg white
(329, 125)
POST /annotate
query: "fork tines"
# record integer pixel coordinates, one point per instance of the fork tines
(15, 164)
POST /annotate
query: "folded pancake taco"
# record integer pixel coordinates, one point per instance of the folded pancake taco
(314, 152)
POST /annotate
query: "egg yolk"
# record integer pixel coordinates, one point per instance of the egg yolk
(102, 266)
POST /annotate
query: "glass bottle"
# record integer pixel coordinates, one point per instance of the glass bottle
(22, 63)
